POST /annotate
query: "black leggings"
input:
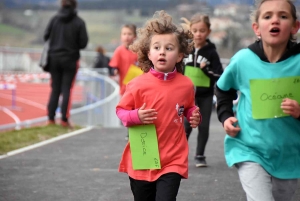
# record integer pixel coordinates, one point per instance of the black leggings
(165, 188)
(63, 73)
(205, 105)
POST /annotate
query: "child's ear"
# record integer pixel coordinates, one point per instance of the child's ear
(295, 27)
(209, 31)
(180, 57)
(256, 29)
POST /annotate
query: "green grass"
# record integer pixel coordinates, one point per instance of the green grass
(14, 36)
(6, 29)
(16, 139)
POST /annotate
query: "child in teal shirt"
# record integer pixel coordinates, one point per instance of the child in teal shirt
(265, 149)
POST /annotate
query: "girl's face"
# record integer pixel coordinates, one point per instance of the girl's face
(275, 23)
(200, 32)
(127, 36)
(164, 52)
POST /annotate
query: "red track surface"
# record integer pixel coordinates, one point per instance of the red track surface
(30, 101)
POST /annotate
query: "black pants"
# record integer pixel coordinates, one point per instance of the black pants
(205, 105)
(63, 73)
(165, 188)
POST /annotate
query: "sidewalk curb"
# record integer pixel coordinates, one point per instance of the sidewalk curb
(39, 144)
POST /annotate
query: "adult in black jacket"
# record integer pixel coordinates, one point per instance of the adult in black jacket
(205, 57)
(67, 34)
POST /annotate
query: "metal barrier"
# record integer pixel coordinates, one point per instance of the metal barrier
(102, 97)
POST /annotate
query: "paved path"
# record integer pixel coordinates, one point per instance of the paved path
(84, 168)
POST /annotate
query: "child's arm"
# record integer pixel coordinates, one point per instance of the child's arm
(214, 69)
(128, 117)
(231, 126)
(137, 116)
(291, 107)
(225, 112)
(194, 116)
(115, 61)
(225, 103)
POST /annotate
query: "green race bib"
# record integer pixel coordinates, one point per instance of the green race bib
(267, 95)
(144, 147)
(197, 76)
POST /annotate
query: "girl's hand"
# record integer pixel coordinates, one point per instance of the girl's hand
(195, 118)
(231, 127)
(147, 116)
(290, 107)
(115, 72)
(202, 65)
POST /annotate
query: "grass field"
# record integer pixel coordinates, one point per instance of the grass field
(16, 139)
(16, 36)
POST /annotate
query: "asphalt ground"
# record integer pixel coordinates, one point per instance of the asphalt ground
(84, 167)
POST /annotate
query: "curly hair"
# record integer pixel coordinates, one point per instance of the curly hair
(160, 23)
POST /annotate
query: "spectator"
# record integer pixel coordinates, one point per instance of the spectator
(102, 62)
(67, 34)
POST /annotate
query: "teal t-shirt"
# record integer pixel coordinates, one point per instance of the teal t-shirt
(273, 143)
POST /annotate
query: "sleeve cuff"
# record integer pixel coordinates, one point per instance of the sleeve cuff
(134, 117)
(225, 116)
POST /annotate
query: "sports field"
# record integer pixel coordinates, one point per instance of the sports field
(25, 96)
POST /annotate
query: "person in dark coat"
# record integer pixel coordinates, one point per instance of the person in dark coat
(67, 34)
(102, 62)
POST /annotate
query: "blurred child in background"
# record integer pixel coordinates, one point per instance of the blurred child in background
(205, 57)
(123, 58)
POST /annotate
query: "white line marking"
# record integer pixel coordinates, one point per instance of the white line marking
(11, 114)
(21, 150)
(26, 101)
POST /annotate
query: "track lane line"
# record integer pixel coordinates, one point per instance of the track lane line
(11, 114)
(26, 101)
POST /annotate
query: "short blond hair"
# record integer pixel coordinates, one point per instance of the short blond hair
(198, 17)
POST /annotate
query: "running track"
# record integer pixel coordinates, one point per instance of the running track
(30, 101)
